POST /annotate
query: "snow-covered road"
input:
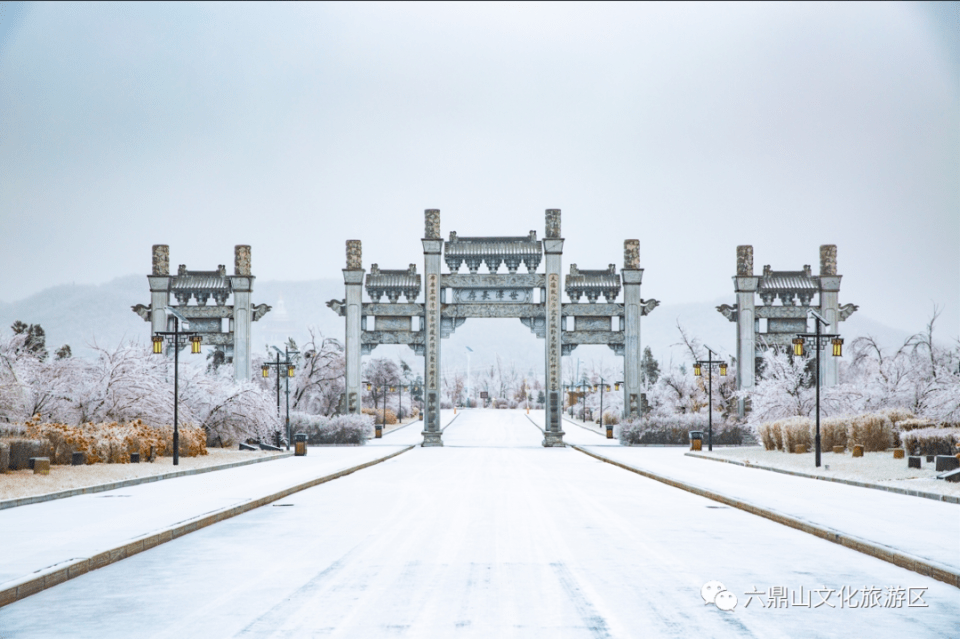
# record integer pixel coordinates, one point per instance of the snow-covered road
(490, 536)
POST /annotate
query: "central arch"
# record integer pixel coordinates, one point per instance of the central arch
(533, 297)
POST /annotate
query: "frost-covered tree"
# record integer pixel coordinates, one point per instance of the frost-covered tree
(35, 341)
(124, 384)
(784, 388)
(649, 368)
(319, 378)
(922, 376)
(382, 374)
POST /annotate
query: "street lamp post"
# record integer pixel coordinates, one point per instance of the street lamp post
(378, 428)
(173, 338)
(819, 341)
(581, 388)
(709, 362)
(410, 387)
(288, 366)
(604, 385)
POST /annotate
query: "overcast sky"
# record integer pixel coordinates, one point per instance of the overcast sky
(693, 127)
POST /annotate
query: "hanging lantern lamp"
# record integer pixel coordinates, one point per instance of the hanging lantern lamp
(798, 347)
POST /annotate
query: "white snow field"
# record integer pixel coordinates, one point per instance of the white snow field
(490, 536)
(900, 522)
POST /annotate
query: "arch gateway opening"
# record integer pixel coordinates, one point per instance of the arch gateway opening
(451, 298)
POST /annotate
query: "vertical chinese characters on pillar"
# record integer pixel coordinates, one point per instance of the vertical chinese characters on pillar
(553, 329)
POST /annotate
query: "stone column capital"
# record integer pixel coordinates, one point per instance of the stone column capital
(432, 246)
(552, 246)
(632, 276)
(159, 283)
(746, 284)
(353, 275)
(830, 283)
(241, 283)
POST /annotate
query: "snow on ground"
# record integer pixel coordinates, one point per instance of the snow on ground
(491, 535)
(921, 527)
(24, 483)
(880, 468)
(38, 536)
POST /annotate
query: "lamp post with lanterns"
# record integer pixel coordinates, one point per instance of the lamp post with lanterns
(287, 369)
(373, 387)
(174, 339)
(819, 340)
(581, 388)
(709, 362)
(604, 385)
(398, 389)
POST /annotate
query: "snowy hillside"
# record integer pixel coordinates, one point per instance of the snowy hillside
(80, 315)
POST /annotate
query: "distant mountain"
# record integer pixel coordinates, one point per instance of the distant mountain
(87, 314)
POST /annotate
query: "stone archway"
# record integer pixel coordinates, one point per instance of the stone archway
(452, 298)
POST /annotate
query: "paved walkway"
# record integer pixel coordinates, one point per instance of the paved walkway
(40, 538)
(490, 536)
(922, 528)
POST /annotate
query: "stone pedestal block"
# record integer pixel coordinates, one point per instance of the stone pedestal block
(431, 438)
(947, 462)
(553, 439)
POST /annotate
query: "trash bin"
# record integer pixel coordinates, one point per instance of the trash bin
(300, 442)
(696, 440)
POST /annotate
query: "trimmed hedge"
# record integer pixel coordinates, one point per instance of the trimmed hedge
(931, 441)
(342, 429)
(675, 431)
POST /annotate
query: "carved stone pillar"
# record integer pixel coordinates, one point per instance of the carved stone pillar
(746, 284)
(353, 283)
(159, 280)
(553, 250)
(242, 284)
(432, 249)
(829, 309)
(632, 276)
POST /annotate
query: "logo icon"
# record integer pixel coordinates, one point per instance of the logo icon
(714, 592)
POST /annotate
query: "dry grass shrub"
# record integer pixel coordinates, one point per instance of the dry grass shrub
(377, 413)
(833, 432)
(611, 417)
(770, 435)
(11, 430)
(931, 441)
(914, 424)
(785, 434)
(897, 415)
(797, 431)
(113, 442)
(873, 430)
